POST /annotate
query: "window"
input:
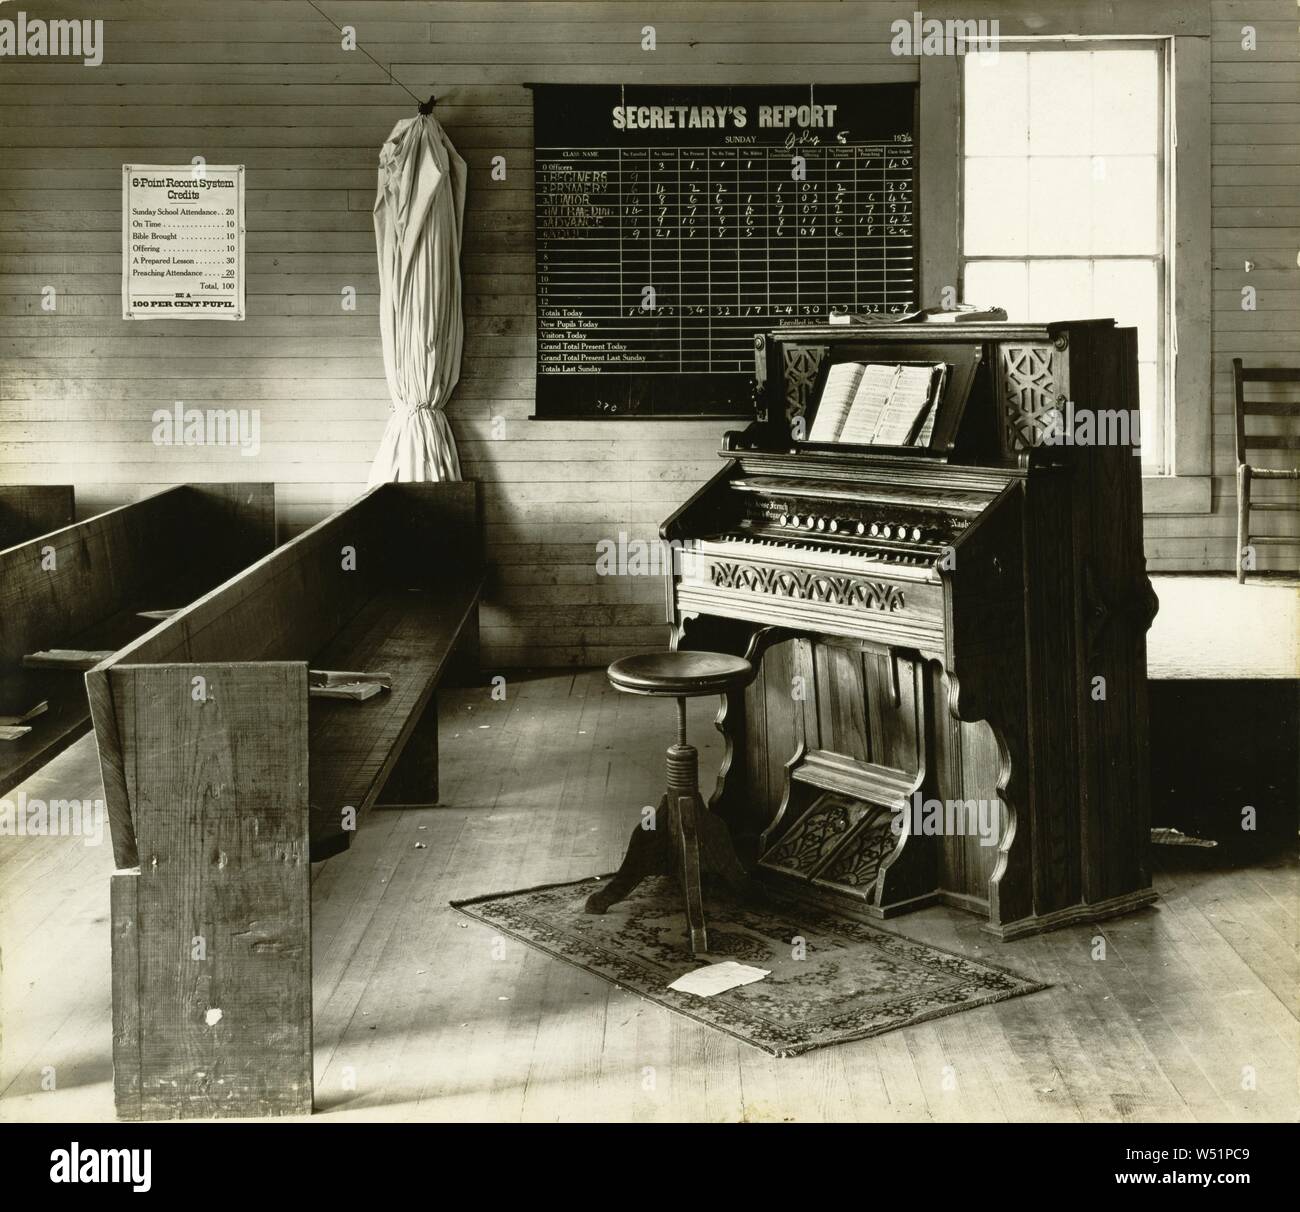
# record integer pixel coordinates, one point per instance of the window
(1065, 196)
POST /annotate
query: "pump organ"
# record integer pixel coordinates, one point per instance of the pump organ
(964, 622)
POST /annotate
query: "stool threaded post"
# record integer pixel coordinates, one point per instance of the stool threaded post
(683, 770)
(681, 720)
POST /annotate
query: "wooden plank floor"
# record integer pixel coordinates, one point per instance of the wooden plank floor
(422, 1014)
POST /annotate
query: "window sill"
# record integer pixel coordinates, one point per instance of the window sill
(1176, 494)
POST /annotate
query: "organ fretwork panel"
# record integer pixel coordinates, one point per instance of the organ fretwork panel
(925, 626)
(799, 366)
(1031, 392)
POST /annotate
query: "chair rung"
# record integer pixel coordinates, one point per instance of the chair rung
(1271, 540)
(1271, 408)
(1293, 506)
(1270, 374)
(1275, 473)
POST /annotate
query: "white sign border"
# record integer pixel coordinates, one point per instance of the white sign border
(241, 309)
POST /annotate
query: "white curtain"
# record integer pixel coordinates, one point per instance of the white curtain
(419, 214)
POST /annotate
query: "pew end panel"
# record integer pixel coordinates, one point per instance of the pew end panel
(211, 931)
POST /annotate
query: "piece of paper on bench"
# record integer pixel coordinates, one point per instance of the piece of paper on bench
(718, 978)
(356, 691)
(346, 684)
(344, 677)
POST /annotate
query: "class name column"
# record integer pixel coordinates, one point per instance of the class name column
(578, 260)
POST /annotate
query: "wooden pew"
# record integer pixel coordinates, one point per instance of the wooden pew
(28, 510)
(83, 587)
(223, 779)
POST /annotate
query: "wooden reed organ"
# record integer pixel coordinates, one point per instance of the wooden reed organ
(950, 634)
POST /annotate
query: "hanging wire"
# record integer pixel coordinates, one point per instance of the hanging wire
(425, 106)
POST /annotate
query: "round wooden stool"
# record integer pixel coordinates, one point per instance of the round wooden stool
(683, 838)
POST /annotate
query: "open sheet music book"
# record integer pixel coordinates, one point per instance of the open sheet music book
(879, 404)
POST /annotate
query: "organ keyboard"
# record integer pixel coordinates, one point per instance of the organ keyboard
(933, 623)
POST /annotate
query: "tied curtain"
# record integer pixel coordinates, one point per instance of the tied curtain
(419, 214)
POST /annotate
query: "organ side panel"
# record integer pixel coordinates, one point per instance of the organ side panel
(1117, 605)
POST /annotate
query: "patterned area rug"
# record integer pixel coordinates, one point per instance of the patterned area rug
(853, 981)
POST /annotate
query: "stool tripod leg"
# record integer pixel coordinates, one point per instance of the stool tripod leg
(688, 847)
(645, 857)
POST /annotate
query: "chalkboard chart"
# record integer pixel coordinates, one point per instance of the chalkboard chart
(674, 223)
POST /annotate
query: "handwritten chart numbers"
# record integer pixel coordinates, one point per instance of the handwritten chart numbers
(715, 216)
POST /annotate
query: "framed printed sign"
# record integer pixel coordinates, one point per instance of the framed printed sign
(183, 241)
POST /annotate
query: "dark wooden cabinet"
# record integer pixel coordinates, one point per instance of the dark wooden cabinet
(950, 703)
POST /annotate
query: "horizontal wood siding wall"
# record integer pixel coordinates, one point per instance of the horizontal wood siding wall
(1255, 210)
(266, 83)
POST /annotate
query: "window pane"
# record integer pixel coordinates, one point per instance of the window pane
(1059, 290)
(1060, 103)
(995, 205)
(998, 284)
(1129, 292)
(1059, 192)
(1126, 103)
(1072, 209)
(1124, 200)
(996, 111)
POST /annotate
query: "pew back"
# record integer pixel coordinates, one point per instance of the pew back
(29, 510)
(289, 606)
(83, 586)
(187, 536)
